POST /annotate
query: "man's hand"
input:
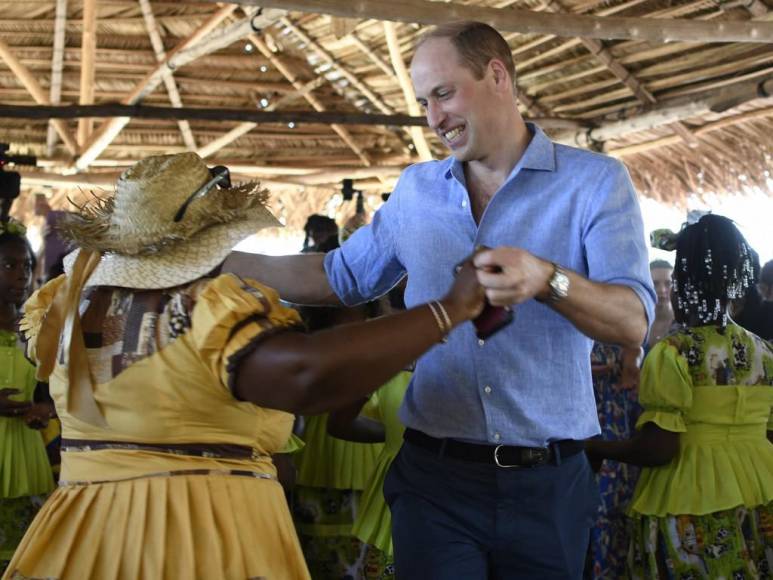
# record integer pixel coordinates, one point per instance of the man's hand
(10, 408)
(512, 275)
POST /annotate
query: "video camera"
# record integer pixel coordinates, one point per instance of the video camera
(10, 181)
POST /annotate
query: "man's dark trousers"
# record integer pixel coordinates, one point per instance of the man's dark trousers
(460, 520)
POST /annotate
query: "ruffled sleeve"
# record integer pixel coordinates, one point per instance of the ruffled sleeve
(231, 316)
(35, 311)
(665, 390)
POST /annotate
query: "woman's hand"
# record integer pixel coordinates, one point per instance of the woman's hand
(38, 415)
(467, 297)
(11, 408)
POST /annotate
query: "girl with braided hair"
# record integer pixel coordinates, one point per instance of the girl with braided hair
(703, 506)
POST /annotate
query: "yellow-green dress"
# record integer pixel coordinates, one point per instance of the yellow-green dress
(373, 524)
(180, 484)
(25, 474)
(708, 513)
(331, 476)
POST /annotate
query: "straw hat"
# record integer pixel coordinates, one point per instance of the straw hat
(167, 224)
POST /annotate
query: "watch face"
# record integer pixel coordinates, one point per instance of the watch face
(559, 285)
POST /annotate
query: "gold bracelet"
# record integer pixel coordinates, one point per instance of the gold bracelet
(439, 321)
(446, 318)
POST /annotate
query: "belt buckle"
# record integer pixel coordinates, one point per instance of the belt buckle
(496, 458)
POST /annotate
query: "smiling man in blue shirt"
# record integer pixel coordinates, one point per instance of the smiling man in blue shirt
(491, 481)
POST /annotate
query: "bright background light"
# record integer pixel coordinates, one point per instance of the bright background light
(752, 214)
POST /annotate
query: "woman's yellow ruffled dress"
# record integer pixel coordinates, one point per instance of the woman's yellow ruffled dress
(159, 492)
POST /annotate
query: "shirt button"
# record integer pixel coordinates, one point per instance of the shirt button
(487, 390)
(481, 342)
(464, 203)
(497, 436)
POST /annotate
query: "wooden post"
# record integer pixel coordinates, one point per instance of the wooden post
(57, 63)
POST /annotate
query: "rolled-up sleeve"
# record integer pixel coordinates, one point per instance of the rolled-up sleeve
(367, 265)
(613, 237)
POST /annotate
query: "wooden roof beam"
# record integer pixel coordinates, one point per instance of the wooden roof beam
(341, 131)
(57, 64)
(329, 59)
(36, 91)
(531, 22)
(201, 42)
(603, 54)
(417, 135)
(88, 66)
(169, 82)
(243, 128)
(671, 111)
(674, 140)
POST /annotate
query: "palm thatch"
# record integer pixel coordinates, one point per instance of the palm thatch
(301, 61)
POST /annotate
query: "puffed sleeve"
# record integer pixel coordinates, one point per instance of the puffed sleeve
(231, 317)
(665, 390)
(35, 311)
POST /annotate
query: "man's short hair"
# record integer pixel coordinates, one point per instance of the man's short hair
(477, 43)
(660, 264)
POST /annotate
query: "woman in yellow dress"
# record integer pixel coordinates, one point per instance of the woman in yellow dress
(703, 506)
(175, 385)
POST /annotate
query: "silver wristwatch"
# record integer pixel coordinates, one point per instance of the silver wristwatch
(559, 284)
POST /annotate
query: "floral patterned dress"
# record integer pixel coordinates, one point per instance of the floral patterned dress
(618, 410)
(709, 512)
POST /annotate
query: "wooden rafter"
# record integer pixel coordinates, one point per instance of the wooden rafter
(707, 128)
(57, 64)
(201, 42)
(244, 128)
(529, 22)
(667, 112)
(374, 57)
(88, 65)
(29, 82)
(417, 135)
(275, 60)
(169, 82)
(329, 59)
(603, 54)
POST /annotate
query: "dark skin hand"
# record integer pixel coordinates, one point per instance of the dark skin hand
(651, 446)
(346, 423)
(319, 372)
(11, 408)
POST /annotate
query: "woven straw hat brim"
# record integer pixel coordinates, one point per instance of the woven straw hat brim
(176, 265)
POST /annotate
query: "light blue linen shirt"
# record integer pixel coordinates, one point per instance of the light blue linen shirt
(531, 382)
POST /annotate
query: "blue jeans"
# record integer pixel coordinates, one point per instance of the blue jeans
(459, 520)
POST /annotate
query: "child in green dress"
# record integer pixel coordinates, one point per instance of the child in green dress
(703, 506)
(25, 473)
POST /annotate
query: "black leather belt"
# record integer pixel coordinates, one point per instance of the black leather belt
(500, 455)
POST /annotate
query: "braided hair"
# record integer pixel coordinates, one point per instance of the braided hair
(714, 265)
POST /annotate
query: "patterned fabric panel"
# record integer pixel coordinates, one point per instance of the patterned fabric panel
(123, 326)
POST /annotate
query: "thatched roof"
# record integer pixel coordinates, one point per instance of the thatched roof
(612, 91)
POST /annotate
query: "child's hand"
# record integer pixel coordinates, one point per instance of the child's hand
(11, 408)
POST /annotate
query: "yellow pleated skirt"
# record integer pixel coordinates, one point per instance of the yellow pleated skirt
(209, 526)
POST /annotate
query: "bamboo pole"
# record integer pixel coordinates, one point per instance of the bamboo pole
(57, 64)
(88, 66)
(417, 135)
(36, 91)
(194, 46)
(169, 82)
(530, 22)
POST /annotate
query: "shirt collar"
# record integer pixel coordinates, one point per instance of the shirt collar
(540, 155)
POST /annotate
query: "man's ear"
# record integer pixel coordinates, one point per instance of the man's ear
(499, 74)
